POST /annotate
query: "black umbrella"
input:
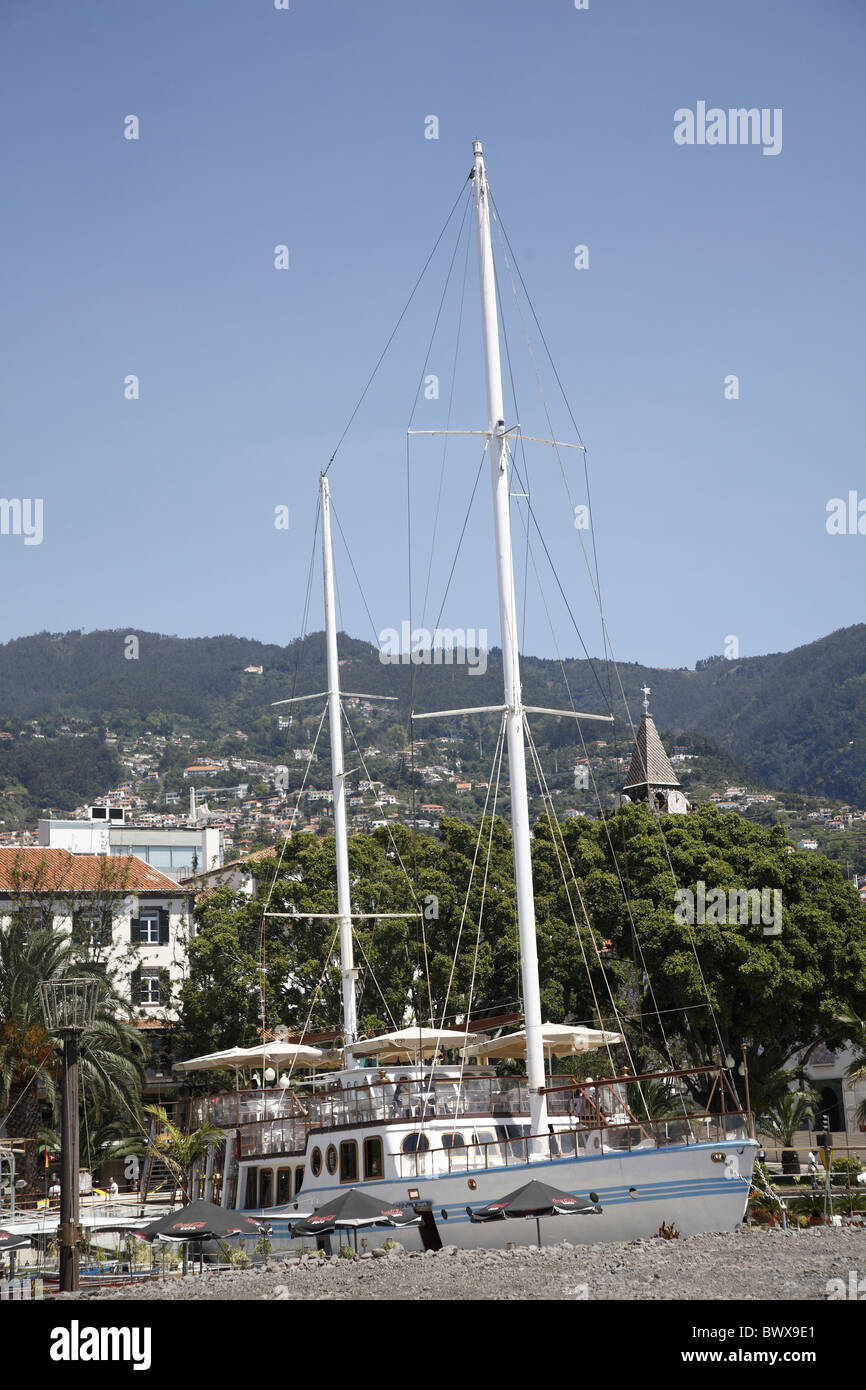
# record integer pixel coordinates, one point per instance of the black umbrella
(13, 1240)
(201, 1221)
(535, 1199)
(351, 1210)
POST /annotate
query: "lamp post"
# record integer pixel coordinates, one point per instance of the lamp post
(69, 1007)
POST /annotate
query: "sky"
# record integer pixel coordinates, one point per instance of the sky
(309, 127)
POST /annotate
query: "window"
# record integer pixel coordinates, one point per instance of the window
(484, 1136)
(331, 1159)
(148, 990)
(349, 1161)
(453, 1140)
(284, 1186)
(266, 1186)
(316, 1162)
(148, 927)
(374, 1166)
(92, 928)
(299, 1178)
(415, 1144)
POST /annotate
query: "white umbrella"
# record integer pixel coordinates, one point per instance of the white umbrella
(230, 1059)
(241, 1058)
(268, 1054)
(411, 1043)
(559, 1040)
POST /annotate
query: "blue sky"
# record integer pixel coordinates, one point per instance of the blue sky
(306, 127)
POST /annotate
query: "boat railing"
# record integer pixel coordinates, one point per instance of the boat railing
(357, 1105)
(469, 1154)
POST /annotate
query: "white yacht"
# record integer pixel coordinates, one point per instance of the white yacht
(420, 1117)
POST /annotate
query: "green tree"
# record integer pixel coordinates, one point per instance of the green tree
(110, 1053)
(180, 1149)
(779, 995)
(788, 1114)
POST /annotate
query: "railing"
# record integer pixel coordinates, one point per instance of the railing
(508, 1150)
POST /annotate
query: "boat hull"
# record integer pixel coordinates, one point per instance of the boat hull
(693, 1188)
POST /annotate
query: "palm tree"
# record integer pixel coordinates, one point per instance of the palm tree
(101, 1142)
(856, 1068)
(110, 1053)
(180, 1149)
(783, 1120)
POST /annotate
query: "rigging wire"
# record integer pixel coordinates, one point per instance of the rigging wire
(595, 582)
(397, 325)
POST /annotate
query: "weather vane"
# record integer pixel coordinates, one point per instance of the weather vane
(646, 695)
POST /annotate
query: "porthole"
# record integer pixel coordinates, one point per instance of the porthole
(316, 1162)
(444, 1214)
(632, 1192)
(593, 1196)
(331, 1159)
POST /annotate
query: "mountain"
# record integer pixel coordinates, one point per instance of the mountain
(794, 720)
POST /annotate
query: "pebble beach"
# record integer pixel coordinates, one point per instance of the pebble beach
(738, 1265)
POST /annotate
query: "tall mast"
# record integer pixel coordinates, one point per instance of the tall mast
(510, 661)
(335, 719)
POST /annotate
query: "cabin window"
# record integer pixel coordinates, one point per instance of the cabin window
(373, 1160)
(453, 1140)
(316, 1162)
(284, 1186)
(415, 1144)
(266, 1186)
(484, 1136)
(331, 1159)
(349, 1161)
(299, 1178)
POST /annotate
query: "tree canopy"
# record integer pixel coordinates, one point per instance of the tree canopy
(687, 993)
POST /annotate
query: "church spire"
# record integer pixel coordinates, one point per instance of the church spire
(651, 777)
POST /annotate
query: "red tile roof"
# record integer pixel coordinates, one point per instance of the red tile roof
(39, 868)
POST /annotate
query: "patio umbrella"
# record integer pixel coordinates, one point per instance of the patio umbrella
(243, 1058)
(201, 1221)
(13, 1240)
(558, 1040)
(351, 1210)
(411, 1043)
(535, 1199)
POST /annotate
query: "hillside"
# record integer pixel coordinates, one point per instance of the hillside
(794, 720)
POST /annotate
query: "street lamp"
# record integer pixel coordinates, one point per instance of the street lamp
(69, 1007)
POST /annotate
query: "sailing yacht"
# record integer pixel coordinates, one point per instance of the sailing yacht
(447, 1138)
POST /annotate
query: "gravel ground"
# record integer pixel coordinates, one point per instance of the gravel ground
(742, 1264)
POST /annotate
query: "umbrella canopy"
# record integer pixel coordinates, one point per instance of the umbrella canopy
(13, 1240)
(353, 1209)
(410, 1043)
(559, 1040)
(534, 1199)
(201, 1221)
(240, 1058)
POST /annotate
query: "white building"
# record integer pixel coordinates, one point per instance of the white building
(126, 914)
(176, 853)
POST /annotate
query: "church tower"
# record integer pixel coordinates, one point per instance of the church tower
(650, 776)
